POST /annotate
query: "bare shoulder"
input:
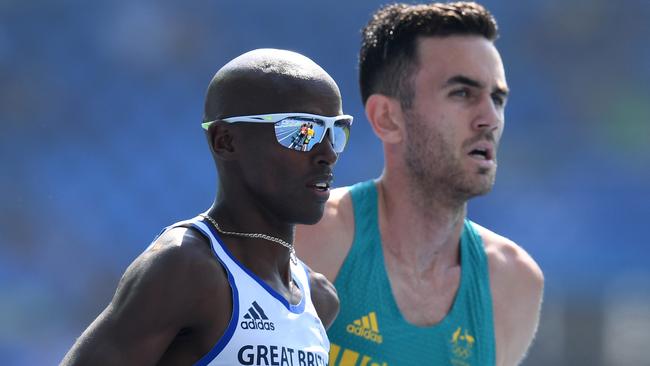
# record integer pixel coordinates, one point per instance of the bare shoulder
(179, 255)
(508, 261)
(161, 292)
(517, 285)
(324, 297)
(325, 245)
(173, 276)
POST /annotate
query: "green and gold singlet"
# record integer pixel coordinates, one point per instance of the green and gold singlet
(371, 331)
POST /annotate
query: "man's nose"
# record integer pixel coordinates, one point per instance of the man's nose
(489, 116)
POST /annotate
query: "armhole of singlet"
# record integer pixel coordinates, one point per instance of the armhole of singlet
(478, 249)
(303, 279)
(232, 324)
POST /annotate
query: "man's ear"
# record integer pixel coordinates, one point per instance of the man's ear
(386, 118)
(220, 138)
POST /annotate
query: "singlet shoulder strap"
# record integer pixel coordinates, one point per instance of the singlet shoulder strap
(245, 275)
(217, 246)
(473, 245)
(364, 205)
(300, 274)
(476, 268)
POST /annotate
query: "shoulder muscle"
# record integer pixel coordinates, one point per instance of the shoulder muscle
(157, 296)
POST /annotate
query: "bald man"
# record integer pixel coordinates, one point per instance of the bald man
(225, 287)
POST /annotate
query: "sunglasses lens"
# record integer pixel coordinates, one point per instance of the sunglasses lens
(341, 133)
(289, 132)
(298, 133)
(301, 134)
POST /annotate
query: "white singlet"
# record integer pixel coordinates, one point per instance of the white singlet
(264, 328)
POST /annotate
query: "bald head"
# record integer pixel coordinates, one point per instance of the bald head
(271, 81)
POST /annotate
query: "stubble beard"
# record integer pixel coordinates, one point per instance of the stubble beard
(436, 173)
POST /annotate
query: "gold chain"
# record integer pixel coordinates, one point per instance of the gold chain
(292, 250)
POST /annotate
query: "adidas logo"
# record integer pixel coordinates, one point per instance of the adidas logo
(255, 318)
(366, 327)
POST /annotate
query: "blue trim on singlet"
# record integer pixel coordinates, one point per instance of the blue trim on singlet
(296, 309)
(234, 318)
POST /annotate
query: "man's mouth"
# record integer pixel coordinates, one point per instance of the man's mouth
(322, 186)
(483, 150)
(482, 154)
(321, 183)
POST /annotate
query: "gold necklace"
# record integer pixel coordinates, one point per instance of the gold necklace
(292, 250)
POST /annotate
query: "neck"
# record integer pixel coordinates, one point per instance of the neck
(258, 254)
(245, 215)
(420, 229)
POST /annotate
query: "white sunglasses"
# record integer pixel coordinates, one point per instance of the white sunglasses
(300, 131)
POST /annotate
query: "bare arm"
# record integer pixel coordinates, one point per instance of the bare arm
(325, 245)
(517, 285)
(156, 298)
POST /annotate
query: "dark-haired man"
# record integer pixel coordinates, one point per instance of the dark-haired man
(225, 287)
(419, 284)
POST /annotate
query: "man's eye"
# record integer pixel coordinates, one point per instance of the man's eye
(462, 93)
(498, 100)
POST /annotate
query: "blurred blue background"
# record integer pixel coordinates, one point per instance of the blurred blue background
(101, 147)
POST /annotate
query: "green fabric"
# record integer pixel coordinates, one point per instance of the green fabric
(370, 330)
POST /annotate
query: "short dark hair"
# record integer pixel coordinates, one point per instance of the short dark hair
(388, 56)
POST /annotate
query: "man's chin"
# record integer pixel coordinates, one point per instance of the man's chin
(312, 220)
(484, 188)
(312, 217)
(486, 181)
(476, 189)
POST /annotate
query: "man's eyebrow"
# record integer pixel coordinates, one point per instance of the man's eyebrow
(504, 92)
(465, 80)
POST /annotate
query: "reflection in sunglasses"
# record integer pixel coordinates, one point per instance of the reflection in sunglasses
(300, 131)
(300, 139)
